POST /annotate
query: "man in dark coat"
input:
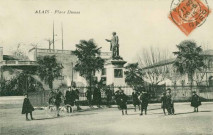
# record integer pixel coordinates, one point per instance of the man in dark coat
(117, 98)
(89, 97)
(195, 101)
(97, 96)
(70, 99)
(163, 103)
(109, 95)
(58, 100)
(144, 102)
(168, 103)
(136, 101)
(171, 99)
(27, 107)
(123, 102)
(76, 96)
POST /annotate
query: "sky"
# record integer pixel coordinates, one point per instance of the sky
(139, 24)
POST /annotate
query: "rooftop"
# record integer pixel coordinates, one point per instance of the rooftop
(169, 61)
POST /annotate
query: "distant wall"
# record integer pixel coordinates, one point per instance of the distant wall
(68, 60)
(184, 93)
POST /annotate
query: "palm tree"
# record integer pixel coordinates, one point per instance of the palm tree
(49, 69)
(189, 59)
(89, 60)
(133, 75)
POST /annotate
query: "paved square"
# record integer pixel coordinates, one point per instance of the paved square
(107, 121)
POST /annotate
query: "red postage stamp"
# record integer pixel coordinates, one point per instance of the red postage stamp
(188, 14)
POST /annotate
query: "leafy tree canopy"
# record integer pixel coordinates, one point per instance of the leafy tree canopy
(48, 69)
(134, 75)
(189, 58)
(89, 59)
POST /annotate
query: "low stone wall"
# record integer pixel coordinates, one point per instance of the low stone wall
(184, 93)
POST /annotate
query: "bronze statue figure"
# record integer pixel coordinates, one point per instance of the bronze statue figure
(114, 45)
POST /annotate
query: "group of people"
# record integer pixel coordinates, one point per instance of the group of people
(142, 99)
(94, 97)
(71, 98)
(139, 99)
(167, 102)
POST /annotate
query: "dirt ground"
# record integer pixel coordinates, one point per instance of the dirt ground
(106, 121)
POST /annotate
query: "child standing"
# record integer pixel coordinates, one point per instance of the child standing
(27, 107)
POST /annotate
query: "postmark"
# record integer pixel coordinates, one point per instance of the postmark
(188, 14)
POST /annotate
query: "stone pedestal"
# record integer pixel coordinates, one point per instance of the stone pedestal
(115, 72)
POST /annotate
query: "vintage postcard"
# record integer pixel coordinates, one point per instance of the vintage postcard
(106, 67)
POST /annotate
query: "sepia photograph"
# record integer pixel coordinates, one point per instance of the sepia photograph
(106, 67)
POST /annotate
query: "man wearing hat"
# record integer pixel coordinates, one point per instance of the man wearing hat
(123, 101)
(170, 99)
(97, 96)
(76, 91)
(195, 101)
(144, 97)
(58, 100)
(136, 101)
(163, 102)
(117, 96)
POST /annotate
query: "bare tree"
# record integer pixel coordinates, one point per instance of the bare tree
(199, 76)
(155, 64)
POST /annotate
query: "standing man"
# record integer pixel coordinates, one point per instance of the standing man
(135, 99)
(118, 96)
(114, 45)
(163, 103)
(144, 102)
(69, 102)
(195, 101)
(76, 91)
(89, 97)
(109, 95)
(172, 101)
(58, 100)
(97, 96)
(123, 102)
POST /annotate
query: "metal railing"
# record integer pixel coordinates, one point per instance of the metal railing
(17, 62)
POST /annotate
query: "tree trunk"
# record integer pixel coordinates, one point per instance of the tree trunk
(191, 80)
(51, 84)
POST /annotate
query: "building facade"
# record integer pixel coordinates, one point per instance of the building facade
(171, 77)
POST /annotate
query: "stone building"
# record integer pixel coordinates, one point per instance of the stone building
(204, 77)
(112, 73)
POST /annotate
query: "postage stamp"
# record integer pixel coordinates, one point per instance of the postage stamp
(188, 14)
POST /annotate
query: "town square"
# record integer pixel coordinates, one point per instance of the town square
(106, 67)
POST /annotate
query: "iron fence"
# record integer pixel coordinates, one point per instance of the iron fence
(179, 93)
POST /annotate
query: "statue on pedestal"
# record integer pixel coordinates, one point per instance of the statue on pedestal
(114, 46)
